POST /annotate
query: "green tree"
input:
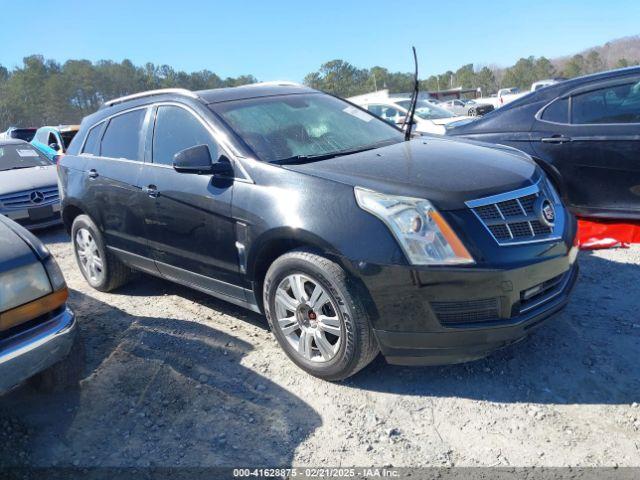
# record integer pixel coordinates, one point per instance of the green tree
(575, 66)
(486, 81)
(543, 68)
(622, 63)
(465, 76)
(339, 78)
(593, 62)
(521, 75)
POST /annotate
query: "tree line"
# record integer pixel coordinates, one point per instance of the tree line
(43, 92)
(343, 79)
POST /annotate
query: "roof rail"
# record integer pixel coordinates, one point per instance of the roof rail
(274, 83)
(150, 93)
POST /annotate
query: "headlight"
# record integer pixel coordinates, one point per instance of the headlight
(23, 284)
(425, 237)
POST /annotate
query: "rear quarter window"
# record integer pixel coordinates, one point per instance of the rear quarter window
(557, 112)
(92, 143)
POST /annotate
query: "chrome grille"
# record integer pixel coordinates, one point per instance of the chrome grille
(527, 203)
(22, 200)
(511, 218)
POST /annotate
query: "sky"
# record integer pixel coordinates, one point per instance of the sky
(287, 39)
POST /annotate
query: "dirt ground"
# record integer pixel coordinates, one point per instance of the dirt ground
(174, 377)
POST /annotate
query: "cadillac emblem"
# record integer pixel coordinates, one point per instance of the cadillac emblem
(546, 212)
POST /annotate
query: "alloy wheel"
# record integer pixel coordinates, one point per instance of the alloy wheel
(307, 317)
(89, 256)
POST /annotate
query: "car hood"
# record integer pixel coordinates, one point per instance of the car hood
(27, 179)
(446, 172)
(14, 251)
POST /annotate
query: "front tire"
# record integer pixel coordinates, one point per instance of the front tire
(100, 267)
(317, 317)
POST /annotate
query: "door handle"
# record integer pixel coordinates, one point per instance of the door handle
(555, 139)
(93, 173)
(151, 190)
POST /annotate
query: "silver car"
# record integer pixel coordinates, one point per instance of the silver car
(28, 185)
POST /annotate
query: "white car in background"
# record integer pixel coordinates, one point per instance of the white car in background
(429, 118)
(507, 95)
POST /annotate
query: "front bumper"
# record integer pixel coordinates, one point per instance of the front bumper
(446, 316)
(32, 351)
(24, 218)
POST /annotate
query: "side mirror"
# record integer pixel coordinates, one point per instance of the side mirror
(193, 160)
(223, 167)
(54, 146)
(198, 160)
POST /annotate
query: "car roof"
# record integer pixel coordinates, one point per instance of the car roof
(255, 90)
(574, 83)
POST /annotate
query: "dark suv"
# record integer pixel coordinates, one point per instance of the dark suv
(295, 203)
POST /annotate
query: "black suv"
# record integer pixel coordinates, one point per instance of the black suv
(298, 204)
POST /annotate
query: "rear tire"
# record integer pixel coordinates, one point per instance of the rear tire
(330, 311)
(100, 267)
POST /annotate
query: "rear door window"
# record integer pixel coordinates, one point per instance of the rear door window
(614, 104)
(122, 137)
(177, 129)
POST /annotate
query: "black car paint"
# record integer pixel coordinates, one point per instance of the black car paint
(596, 166)
(220, 234)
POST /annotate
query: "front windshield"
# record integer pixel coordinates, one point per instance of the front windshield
(13, 157)
(304, 125)
(426, 110)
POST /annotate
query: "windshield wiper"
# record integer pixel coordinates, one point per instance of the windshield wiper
(14, 168)
(297, 159)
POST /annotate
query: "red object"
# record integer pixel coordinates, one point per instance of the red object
(595, 234)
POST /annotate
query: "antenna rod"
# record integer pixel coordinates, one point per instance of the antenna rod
(408, 119)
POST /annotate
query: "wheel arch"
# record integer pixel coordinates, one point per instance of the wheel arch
(273, 244)
(70, 211)
(556, 177)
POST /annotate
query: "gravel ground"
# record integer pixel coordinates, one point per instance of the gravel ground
(174, 377)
